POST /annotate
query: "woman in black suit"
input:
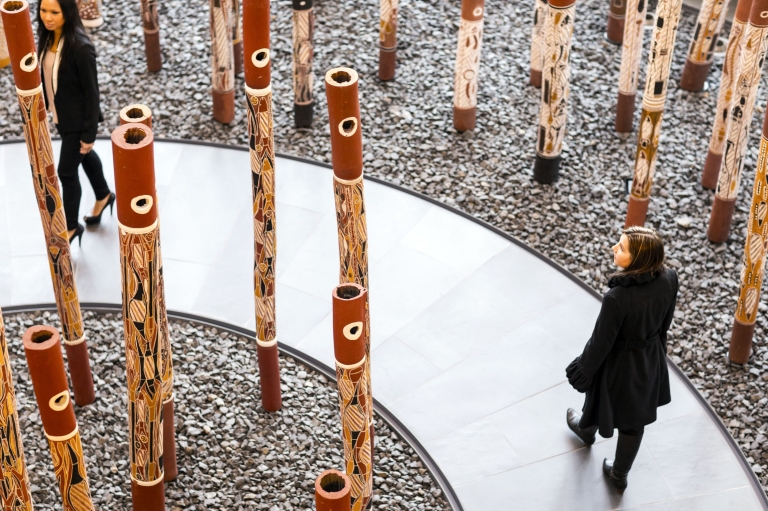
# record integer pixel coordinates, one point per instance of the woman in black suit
(71, 93)
(623, 368)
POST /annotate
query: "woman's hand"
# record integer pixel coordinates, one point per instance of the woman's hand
(85, 148)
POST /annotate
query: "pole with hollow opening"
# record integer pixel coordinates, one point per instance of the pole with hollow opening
(332, 491)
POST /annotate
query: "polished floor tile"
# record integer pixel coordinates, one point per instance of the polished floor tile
(399, 370)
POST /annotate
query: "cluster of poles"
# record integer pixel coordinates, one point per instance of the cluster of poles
(149, 365)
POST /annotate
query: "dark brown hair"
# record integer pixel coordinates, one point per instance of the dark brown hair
(647, 251)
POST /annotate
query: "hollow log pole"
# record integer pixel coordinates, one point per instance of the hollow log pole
(14, 490)
(468, 65)
(133, 156)
(631, 51)
(725, 95)
(556, 74)
(699, 60)
(90, 13)
(150, 22)
(236, 21)
(222, 61)
(350, 315)
(660, 55)
(49, 380)
(303, 52)
(29, 89)
(5, 59)
(537, 41)
(755, 43)
(136, 113)
(614, 30)
(332, 491)
(388, 10)
(261, 143)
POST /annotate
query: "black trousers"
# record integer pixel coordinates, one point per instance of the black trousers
(69, 162)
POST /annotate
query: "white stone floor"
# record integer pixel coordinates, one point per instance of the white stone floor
(470, 333)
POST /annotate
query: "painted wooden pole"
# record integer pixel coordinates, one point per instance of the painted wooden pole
(136, 113)
(725, 95)
(654, 97)
(49, 379)
(388, 38)
(90, 13)
(133, 156)
(258, 89)
(742, 107)
(5, 59)
(303, 52)
(222, 61)
(14, 489)
(631, 51)
(468, 65)
(150, 22)
(332, 491)
(29, 89)
(556, 74)
(537, 41)
(614, 31)
(350, 315)
(236, 21)
(708, 26)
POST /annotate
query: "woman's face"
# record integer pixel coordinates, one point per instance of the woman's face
(621, 256)
(50, 13)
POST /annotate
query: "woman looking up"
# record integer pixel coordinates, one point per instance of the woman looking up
(71, 93)
(623, 368)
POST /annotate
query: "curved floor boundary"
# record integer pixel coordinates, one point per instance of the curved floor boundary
(384, 413)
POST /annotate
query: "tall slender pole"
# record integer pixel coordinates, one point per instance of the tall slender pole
(90, 13)
(133, 156)
(29, 89)
(699, 60)
(5, 59)
(468, 65)
(388, 38)
(631, 51)
(303, 52)
(332, 491)
(236, 21)
(556, 75)
(537, 41)
(725, 95)
(654, 97)
(49, 379)
(258, 89)
(222, 61)
(614, 30)
(150, 22)
(752, 53)
(14, 489)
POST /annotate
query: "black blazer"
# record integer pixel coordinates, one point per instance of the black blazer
(77, 91)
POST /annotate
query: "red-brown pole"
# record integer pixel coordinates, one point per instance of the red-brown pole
(631, 51)
(261, 142)
(538, 44)
(49, 380)
(136, 113)
(303, 53)
(150, 21)
(222, 61)
(90, 13)
(332, 491)
(465, 81)
(236, 21)
(133, 156)
(388, 38)
(5, 59)
(708, 26)
(614, 31)
(29, 89)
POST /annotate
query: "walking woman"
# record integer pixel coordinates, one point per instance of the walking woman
(71, 94)
(623, 368)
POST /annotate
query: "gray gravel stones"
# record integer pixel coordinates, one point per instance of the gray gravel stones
(232, 455)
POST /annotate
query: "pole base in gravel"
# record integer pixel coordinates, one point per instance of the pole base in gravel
(637, 211)
(720, 220)
(303, 115)
(80, 373)
(614, 32)
(625, 112)
(740, 348)
(269, 377)
(152, 50)
(387, 63)
(535, 78)
(711, 170)
(237, 51)
(224, 106)
(546, 170)
(694, 75)
(170, 469)
(464, 120)
(332, 491)
(148, 498)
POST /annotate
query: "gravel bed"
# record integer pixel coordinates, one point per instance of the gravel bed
(409, 140)
(231, 454)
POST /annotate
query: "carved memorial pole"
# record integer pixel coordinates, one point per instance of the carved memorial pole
(350, 315)
(258, 90)
(14, 489)
(537, 41)
(332, 491)
(303, 51)
(654, 97)
(29, 89)
(136, 113)
(236, 21)
(90, 13)
(49, 380)
(752, 53)
(468, 65)
(631, 50)
(699, 60)
(5, 59)
(388, 38)
(556, 75)
(222, 62)
(614, 31)
(725, 95)
(133, 156)
(150, 21)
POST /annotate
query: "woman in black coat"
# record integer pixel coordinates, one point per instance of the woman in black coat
(623, 368)
(71, 92)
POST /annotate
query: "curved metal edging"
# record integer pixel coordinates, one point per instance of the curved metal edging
(383, 412)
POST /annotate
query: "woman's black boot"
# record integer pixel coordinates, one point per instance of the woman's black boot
(587, 435)
(626, 451)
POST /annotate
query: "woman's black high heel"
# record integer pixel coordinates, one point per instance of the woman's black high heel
(79, 230)
(96, 219)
